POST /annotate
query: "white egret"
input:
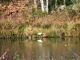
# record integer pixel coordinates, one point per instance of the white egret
(40, 33)
(39, 40)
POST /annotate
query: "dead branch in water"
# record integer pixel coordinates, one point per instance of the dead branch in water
(3, 56)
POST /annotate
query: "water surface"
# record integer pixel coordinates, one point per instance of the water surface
(48, 49)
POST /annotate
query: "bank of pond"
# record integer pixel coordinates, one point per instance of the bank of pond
(35, 36)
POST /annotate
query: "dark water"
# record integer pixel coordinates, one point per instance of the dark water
(47, 49)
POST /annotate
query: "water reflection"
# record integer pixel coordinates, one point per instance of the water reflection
(48, 49)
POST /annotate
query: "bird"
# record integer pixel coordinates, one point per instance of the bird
(39, 40)
(40, 33)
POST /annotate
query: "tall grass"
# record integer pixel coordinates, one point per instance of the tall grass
(46, 26)
(52, 34)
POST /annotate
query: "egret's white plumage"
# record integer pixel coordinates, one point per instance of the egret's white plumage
(39, 40)
(40, 33)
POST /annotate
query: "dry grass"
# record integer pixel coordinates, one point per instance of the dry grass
(51, 22)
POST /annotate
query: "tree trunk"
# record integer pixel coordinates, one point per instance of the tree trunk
(55, 3)
(77, 1)
(64, 2)
(42, 5)
(47, 6)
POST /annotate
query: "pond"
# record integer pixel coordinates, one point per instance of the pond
(43, 49)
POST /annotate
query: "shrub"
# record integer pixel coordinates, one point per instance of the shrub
(33, 11)
(77, 25)
(46, 26)
(52, 34)
(52, 7)
(21, 28)
(38, 25)
(16, 56)
(24, 14)
(65, 26)
(39, 13)
(71, 12)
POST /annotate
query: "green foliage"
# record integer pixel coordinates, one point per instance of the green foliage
(57, 15)
(68, 8)
(21, 28)
(78, 7)
(53, 40)
(71, 12)
(74, 1)
(68, 2)
(77, 25)
(52, 34)
(12, 37)
(33, 11)
(52, 7)
(46, 26)
(65, 26)
(60, 2)
(39, 13)
(16, 56)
